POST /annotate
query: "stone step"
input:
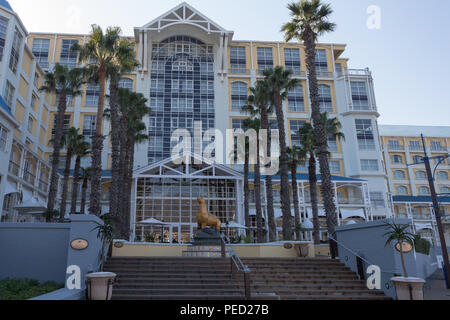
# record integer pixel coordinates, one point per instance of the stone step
(322, 297)
(176, 291)
(193, 286)
(177, 297)
(306, 287)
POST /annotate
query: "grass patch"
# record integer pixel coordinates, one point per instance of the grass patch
(23, 289)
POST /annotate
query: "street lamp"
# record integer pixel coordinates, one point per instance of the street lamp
(436, 207)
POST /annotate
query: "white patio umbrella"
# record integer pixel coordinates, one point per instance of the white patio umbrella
(153, 222)
(234, 225)
(32, 206)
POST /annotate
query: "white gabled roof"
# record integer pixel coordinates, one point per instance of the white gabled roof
(185, 14)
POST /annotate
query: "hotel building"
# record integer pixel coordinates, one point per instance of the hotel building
(192, 70)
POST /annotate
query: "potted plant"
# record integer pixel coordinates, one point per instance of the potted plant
(100, 284)
(407, 288)
(150, 237)
(49, 215)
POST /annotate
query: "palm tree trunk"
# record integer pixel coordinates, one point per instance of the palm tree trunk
(56, 150)
(260, 234)
(97, 148)
(83, 196)
(269, 192)
(247, 192)
(284, 169)
(402, 257)
(127, 218)
(321, 139)
(115, 143)
(122, 161)
(62, 211)
(76, 178)
(314, 197)
(295, 196)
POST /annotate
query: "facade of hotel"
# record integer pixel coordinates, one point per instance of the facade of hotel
(193, 71)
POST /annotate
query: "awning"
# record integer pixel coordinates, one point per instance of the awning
(10, 188)
(350, 213)
(423, 226)
(321, 212)
(153, 222)
(32, 205)
(351, 222)
(233, 225)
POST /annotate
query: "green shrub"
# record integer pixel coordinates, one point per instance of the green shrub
(23, 289)
(422, 246)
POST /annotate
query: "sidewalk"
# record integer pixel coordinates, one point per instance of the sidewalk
(435, 287)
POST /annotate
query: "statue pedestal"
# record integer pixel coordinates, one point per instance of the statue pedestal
(207, 244)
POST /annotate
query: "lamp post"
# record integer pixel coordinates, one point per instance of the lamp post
(437, 214)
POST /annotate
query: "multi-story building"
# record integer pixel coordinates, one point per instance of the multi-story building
(408, 181)
(24, 120)
(196, 76)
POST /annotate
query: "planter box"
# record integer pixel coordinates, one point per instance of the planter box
(99, 285)
(409, 288)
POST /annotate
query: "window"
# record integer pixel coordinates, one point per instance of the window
(265, 59)
(359, 95)
(239, 96)
(66, 124)
(182, 66)
(292, 60)
(30, 125)
(396, 159)
(394, 145)
(207, 87)
(157, 104)
(206, 68)
(437, 146)
(3, 29)
(156, 144)
(442, 175)
(417, 159)
(155, 124)
(89, 127)
(158, 85)
(238, 60)
(9, 93)
(364, 131)
(3, 138)
(15, 51)
(399, 174)
(402, 190)
(325, 98)
(444, 189)
(207, 106)
(424, 190)
(295, 126)
(296, 100)
(421, 175)
(321, 62)
(415, 145)
(126, 83)
(40, 51)
(69, 98)
(183, 86)
(377, 200)
(182, 105)
(369, 165)
(335, 167)
(68, 57)
(92, 94)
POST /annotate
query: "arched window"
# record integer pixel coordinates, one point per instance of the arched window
(325, 98)
(239, 96)
(126, 83)
(399, 174)
(402, 190)
(396, 159)
(424, 190)
(445, 189)
(296, 100)
(421, 175)
(417, 159)
(443, 175)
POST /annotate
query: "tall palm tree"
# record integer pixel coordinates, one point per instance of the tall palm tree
(69, 141)
(124, 62)
(80, 151)
(132, 108)
(255, 124)
(296, 155)
(63, 82)
(99, 52)
(309, 21)
(280, 83)
(86, 176)
(259, 105)
(397, 233)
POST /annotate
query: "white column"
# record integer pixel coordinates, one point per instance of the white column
(141, 44)
(225, 55)
(145, 67)
(220, 58)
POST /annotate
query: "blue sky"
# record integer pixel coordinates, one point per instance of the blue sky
(409, 55)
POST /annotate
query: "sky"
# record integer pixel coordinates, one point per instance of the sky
(405, 43)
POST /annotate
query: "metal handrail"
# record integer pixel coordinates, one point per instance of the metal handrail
(357, 255)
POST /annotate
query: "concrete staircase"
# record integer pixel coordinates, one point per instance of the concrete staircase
(211, 279)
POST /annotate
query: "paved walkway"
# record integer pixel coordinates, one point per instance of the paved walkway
(435, 287)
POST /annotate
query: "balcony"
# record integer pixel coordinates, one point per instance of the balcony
(350, 200)
(438, 149)
(391, 147)
(29, 177)
(238, 70)
(14, 168)
(358, 72)
(323, 74)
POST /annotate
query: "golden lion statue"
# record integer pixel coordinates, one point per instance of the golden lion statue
(205, 219)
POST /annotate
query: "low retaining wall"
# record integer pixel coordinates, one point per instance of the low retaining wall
(271, 250)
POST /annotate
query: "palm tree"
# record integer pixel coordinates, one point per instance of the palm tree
(86, 176)
(296, 155)
(124, 62)
(280, 83)
(132, 108)
(399, 234)
(63, 82)
(70, 141)
(255, 124)
(80, 150)
(99, 52)
(310, 20)
(259, 105)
